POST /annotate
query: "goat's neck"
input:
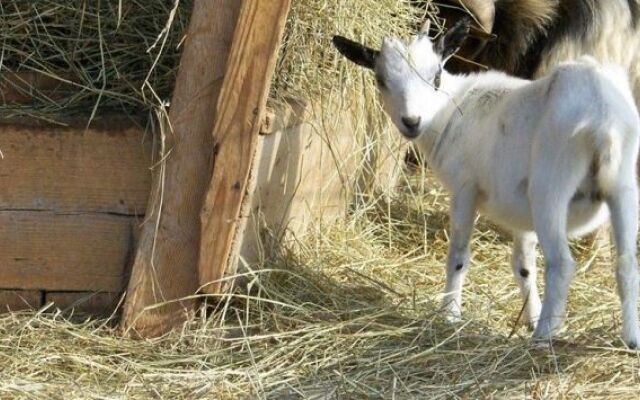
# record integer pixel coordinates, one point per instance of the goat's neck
(456, 87)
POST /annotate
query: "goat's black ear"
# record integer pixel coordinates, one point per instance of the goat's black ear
(450, 43)
(356, 52)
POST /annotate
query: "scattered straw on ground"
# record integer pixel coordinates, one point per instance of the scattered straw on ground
(352, 315)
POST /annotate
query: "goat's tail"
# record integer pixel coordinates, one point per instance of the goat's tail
(608, 158)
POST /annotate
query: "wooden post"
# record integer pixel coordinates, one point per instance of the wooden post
(166, 262)
(239, 115)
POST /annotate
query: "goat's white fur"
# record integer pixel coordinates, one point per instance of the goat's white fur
(546, 159)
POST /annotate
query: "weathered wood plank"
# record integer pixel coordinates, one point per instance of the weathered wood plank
(19, 300)
(46, 250)
(93, 303)
(22, 87)
(174, 239)
(74, 169)
(303, 176)
(239, 115)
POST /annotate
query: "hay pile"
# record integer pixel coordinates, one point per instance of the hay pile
(122, 56)
(353, 316)
(309, 67)
(106, 56)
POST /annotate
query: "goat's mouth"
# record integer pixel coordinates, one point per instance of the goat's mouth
(410, 134)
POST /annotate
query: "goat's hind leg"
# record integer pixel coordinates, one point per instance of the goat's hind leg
(559, 270)
(523, 263)
(623, 204)
(550, 207)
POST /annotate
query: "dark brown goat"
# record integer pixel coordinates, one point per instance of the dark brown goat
(527, 37)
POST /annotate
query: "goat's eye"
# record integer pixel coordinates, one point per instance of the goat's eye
(437, 79)
(380, 82)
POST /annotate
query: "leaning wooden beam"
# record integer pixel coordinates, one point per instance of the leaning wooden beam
(239, 115)
(166, 261)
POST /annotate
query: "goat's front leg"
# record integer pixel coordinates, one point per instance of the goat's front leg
(523, 263)
(462, 215)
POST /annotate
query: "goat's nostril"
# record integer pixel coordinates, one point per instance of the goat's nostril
(411, 122)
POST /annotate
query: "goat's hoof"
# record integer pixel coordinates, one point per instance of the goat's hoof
(546, 330)
(539, 344)
(631, 340)
(453, 318)
(452, 312)
(530, 323)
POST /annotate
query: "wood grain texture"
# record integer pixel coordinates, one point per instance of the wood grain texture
(22, 87)
(74, 169)
(174, 245)
(98, 304)
(239, 115)
(51, 251)
(19, 300)
(304, 177)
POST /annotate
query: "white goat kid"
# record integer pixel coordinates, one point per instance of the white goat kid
(546, 159)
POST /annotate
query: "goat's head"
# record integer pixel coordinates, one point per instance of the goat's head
(483, 13)
(409, 76)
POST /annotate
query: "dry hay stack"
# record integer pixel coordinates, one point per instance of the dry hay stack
(101, 56)
(309, 67)
(354, 313)
(122, 56)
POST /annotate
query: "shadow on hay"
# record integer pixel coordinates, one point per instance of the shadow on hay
(360, 333)
(290, 285)
(361, 338)
(412, 221)
(351, 337)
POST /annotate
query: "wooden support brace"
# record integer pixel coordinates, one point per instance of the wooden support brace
(239, 118)
(166, 262)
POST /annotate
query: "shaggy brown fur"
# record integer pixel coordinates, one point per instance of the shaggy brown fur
(527, 30)
(518, 25)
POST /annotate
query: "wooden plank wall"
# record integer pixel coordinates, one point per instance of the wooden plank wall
(304, 177)
(70, 202)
